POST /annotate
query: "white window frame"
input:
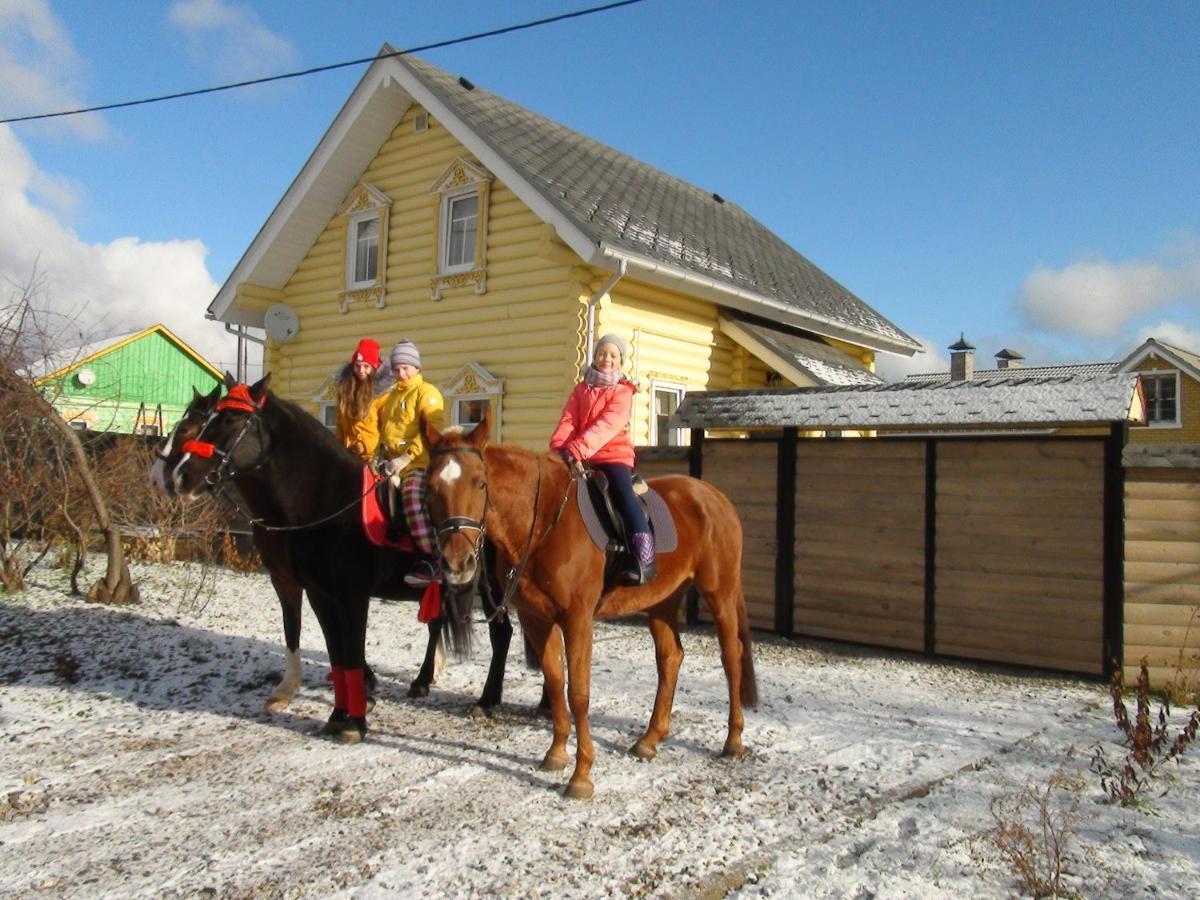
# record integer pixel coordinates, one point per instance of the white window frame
(352, 249)
(448, 200)
(323, 414)
(456, 399)
(680, 390)
(1177, 422)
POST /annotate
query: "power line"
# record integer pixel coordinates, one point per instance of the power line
(509, 29)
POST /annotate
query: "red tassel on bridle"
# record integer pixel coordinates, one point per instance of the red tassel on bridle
(239, 398)
(202, 449)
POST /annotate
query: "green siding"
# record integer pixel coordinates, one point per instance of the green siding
(152, 371)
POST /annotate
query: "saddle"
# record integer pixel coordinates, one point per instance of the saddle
(606, 528)
(381, 525)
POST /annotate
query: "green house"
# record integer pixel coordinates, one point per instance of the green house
(136, 383)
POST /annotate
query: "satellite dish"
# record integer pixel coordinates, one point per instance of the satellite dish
(281, 322)
(86, 377)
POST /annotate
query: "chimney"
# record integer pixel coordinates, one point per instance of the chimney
(1008, 359)
(962, 360)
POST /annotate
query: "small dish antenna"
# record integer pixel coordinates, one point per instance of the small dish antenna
(86, 377)
(281, 322)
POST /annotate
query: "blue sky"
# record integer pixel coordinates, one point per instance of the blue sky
(1028, 174)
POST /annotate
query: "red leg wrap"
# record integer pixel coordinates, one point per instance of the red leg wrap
(338, 676)
(431, 603)
(356, 695)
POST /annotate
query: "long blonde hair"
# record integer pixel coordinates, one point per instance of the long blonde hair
(354, 396)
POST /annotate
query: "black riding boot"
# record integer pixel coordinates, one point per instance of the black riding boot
(643, 569)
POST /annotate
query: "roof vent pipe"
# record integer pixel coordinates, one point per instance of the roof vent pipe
(962, 359)
(622, 265)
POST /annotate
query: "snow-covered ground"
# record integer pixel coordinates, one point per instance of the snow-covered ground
(138, 761)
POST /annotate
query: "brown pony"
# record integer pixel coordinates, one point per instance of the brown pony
(521, 500)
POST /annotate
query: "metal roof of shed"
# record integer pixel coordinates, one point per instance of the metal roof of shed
(1018, 401)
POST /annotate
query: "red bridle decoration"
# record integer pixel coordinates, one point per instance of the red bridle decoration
(198, 448)
(239, 398)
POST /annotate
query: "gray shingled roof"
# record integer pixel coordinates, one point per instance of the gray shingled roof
(821, 362)
(1004, 403)
(630, 206)
(1100, 368)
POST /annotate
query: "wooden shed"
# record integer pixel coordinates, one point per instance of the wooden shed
(970, 526)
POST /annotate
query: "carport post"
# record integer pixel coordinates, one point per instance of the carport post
(1114, 547)
(696, 470)
(931, 448)
(785, 532)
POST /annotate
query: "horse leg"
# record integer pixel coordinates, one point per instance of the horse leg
(420, 684)
(352, 622)
(723, 603)
(577, 634)
(547, 643)
(327, 618)
(291, 599)
(500, 631)
(668, 655)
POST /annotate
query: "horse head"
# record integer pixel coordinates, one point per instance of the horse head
(456, 492)
(231, 440)
(187, 428)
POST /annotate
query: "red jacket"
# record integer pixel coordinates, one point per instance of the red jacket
(595, 424)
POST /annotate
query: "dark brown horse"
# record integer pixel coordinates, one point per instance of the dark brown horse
(520, 499)
(273, 546)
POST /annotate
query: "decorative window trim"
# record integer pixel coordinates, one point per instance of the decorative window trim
(680, 389)
(365, 202)
(461, 178)
(1177, 422)
(474, 382)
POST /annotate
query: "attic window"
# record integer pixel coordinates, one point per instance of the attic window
(366, 211)
(420, 122)
(460, 243)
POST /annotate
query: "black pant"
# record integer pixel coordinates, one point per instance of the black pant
(620, 479)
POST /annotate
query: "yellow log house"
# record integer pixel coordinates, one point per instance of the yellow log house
(502, 243)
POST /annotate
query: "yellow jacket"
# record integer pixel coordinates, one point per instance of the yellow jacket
(359, 436)
(397, 413)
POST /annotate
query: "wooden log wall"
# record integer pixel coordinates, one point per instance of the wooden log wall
(746, 472)
(860, 542)
(1020, 552)
(1162, 574)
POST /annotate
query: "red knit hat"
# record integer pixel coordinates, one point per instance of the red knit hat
(367, 351)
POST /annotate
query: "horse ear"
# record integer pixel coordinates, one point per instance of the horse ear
(259, 389)
(230, 381)
(479, 434)
(213, 396)
(429, 431)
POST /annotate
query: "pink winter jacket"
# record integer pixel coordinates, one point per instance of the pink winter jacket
(595, 424)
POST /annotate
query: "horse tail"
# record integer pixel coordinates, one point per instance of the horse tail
(458, 603)
(749, 682)
(531, 657)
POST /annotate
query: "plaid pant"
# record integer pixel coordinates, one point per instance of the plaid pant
(416, 513)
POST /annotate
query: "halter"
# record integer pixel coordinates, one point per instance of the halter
(238, 399)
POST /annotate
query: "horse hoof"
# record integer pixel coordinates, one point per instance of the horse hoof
(579, 790)
(643, 750)
(554, 762)
(277, 704)
(482, 712)
(354, 732)
(734, 750)
(418, 690)
(336, 723)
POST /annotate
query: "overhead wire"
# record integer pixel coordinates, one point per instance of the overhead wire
(436, 45)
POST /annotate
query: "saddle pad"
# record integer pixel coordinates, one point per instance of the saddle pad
(665, 537)
(374, 520)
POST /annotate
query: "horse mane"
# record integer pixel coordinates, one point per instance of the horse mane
(310, 427)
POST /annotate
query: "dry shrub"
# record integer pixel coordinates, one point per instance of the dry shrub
(1147, 738)
(235, 559)
(1033, 830)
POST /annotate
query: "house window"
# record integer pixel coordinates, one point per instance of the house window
(471, 392)
(79, 424)
(362, 264)
(461, 220)
(328, 414)
(1162, 393)
(468, 410)
(665, 398)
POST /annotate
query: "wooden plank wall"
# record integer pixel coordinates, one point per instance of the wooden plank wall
(860, 541)
(1019, 570)
(1162, 573)
(746, 472)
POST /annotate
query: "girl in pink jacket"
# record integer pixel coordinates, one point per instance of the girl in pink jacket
(594, 428)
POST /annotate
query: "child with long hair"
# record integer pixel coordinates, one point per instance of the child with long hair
(357, 385)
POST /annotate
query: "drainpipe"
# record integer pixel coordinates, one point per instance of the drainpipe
(239, 331)
(622, 265)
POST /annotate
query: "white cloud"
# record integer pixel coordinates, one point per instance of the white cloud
(231, 38)
(124, 285)
(39, 68)
(891, 367)
(1100, 299)
(1169, 333)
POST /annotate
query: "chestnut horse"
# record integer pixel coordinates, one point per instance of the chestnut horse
(520, 499)
(272, 550)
